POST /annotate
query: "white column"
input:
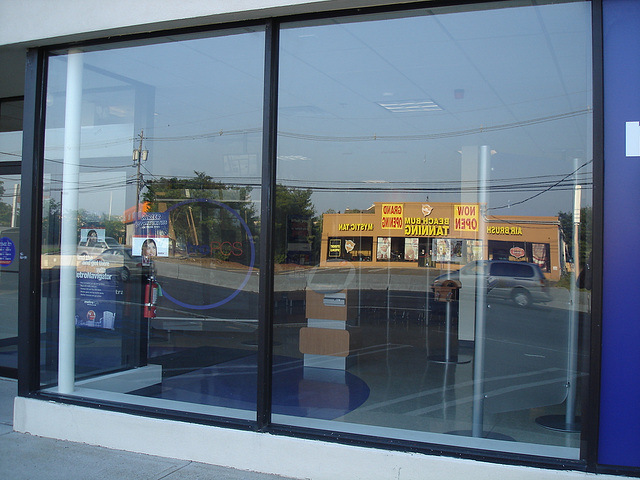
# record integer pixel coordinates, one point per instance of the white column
(69, 240)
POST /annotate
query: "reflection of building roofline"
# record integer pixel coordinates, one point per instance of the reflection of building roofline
(524, 220)
(430, 226)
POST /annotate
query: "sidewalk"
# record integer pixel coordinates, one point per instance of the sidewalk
(27, 457)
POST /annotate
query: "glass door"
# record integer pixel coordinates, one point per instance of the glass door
(9, 237)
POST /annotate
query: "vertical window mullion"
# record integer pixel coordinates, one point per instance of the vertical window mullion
(269, 151)
(591, 404)
(31, 223)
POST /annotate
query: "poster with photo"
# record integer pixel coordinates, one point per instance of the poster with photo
(474, 250)
(442, 249)
(150, 246)
(89, 236)
(384, 248)
(411, 249)
(95, 295)
(151, 238)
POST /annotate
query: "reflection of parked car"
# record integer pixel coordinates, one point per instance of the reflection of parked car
(522, 282)
(123, 264)
(96, 247)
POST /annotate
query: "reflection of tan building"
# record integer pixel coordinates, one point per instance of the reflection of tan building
(439, 235)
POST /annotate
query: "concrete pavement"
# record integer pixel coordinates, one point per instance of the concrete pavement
(28, 457)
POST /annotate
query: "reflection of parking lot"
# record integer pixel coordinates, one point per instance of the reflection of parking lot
(417, 281)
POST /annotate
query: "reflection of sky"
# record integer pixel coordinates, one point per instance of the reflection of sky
(199, 103)
(515, 79)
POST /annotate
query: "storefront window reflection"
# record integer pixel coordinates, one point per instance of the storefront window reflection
(150, 290)
(433, 216)
(439, 155)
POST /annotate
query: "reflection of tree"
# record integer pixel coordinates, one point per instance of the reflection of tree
(5, 209)
(52, 218)
(51, 212)
(200, 223)
(586, 232)
(113, 225)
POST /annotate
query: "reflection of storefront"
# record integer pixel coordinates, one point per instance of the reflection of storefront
(444, 235)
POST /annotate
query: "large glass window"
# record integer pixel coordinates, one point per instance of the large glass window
(10, 153)
(432, 223)
(452, 149)
(151, 223)
(9, 247)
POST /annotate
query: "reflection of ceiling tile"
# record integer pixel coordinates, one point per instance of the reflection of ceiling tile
(411, 106)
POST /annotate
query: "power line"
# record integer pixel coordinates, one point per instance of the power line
(547, 189)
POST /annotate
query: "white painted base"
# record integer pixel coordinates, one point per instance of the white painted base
(127, 381)
(325, 361)
(259, 452)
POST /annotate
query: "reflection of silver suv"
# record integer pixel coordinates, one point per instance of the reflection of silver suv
(121, 263)
(522, 282)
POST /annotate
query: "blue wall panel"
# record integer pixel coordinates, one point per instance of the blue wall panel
(620, 389)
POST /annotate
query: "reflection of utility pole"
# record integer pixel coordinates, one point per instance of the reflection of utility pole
(190, 220)
(139, 156)
(14, 204)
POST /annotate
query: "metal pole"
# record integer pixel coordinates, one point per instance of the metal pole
(447, 340)
(138, 162)
(479, 334)
(572, 353)
(69, 229)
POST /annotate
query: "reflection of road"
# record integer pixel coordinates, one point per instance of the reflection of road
(228, 277)
(242, 305)
(526, 355)
(324, 279)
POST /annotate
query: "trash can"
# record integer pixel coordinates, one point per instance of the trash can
(442, 329)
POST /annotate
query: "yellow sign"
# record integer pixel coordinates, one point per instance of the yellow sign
(426, 221)
(334, 247)
(465, 217)
(392, 214)
(355, 227)
(504, 230)
(426, 230)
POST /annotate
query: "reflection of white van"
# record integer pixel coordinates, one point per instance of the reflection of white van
(93, 248)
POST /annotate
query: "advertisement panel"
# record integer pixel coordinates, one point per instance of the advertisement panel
(95, 294)
(151, 237)
(410, 249)
(89, 236)
(442, 247)
(384, 248)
